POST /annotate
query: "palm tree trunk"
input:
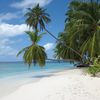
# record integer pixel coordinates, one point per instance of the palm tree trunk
(63, 43)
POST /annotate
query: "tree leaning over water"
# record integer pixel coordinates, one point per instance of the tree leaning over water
(34, 53)
(82, 30)
(71, 43)
(37, 18)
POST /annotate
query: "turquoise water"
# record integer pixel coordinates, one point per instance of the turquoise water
(18, 68)
(14, 75)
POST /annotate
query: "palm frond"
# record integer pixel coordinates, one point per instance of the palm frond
(21, 51)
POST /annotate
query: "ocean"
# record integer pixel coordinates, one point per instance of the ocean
(19, 68)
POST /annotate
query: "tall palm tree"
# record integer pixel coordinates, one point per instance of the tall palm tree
(37, 18)
(34, 53)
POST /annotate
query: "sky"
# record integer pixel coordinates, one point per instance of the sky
(13, 27)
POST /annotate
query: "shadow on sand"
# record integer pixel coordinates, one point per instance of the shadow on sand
(42, 76)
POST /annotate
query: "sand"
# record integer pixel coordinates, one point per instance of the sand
(67, 85)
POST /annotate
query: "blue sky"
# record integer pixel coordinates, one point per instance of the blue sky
(12, 26)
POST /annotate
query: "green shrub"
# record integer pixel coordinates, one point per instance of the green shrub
(95, 68)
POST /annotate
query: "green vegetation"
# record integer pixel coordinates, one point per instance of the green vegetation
(95, 68)
(34, 53)
(81, 33)
(82, 30)
(37, 19)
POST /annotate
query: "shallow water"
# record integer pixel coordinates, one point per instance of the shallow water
(20, 69)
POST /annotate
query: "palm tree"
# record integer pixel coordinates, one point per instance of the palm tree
(82, 30)
(37, 18)
(34, 53)
(61, 52)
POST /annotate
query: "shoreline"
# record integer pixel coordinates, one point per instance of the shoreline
(72, 81)
(12, 84)
(7, 86)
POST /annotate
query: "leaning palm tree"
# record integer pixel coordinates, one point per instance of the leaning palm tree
(82, 30)
(34, 53)
(37, 18)
(61, 52)
(86, 22)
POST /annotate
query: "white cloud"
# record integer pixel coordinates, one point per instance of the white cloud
(10, 30)
(49, 46)
(30, 3)
(7, 31)
(5, 47)
(7, 16)
(5, 41)
(7, 50)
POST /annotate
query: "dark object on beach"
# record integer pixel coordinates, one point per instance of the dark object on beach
(83, 65)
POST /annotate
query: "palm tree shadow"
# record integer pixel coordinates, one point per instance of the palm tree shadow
(42, 76)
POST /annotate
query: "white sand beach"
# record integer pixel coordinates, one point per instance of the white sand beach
(67, 85)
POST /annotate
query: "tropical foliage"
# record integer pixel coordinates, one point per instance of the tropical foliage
(34, 53)
(81, 33)
(37, 18)
(95, 68)
(82, 30)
